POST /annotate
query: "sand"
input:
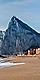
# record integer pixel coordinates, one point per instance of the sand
(29, 71)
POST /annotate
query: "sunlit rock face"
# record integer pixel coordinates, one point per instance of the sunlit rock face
(19, 37)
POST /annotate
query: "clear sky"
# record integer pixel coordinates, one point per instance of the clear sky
(26, 10)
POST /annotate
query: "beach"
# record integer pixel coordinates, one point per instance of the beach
(28, 71)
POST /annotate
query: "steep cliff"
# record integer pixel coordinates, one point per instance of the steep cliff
(19, 37)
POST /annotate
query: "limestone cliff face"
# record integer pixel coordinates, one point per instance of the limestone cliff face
(19, 37)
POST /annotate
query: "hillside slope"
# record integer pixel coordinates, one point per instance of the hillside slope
(19, 37)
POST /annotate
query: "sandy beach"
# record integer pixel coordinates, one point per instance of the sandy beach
(28, 71)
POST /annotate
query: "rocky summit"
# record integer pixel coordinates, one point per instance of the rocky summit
(19, 37)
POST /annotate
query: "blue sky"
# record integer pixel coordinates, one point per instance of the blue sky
(26, 10)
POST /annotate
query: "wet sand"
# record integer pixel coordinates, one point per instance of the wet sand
(28, 71)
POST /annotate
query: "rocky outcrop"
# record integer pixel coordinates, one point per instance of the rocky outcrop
(19, 37)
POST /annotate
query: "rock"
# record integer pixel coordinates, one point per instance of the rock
(19, 37)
